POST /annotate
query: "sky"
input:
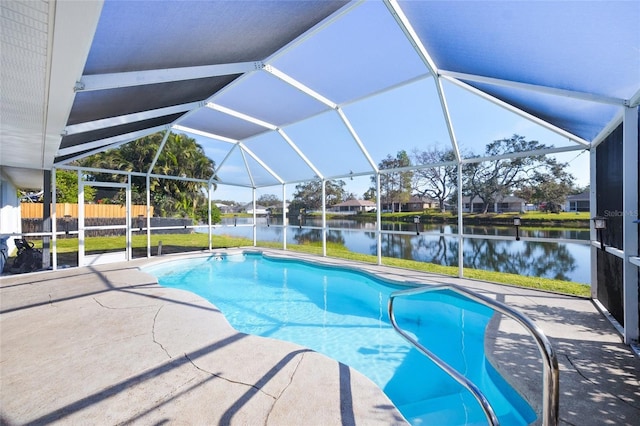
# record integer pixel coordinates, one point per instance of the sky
(344, 66)
(476, 122)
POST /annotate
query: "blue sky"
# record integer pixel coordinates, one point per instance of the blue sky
(343, 65)
(403, 119)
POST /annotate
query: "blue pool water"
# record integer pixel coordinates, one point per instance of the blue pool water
(343, 314)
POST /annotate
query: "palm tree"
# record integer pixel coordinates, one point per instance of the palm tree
(181, 156)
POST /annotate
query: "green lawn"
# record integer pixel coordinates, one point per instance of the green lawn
(533, 217)
(174, 243)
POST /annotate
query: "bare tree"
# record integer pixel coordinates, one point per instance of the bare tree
(492, 180)
(437, 182)
(395, 186)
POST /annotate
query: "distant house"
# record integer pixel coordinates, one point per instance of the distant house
(224, 208)
(276, 209)
(353, 207)
(578, 203)
(260, 210)
(418, 204)
(415, 204)
(503, 204)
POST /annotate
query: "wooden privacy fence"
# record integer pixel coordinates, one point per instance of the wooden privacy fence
(34, 210)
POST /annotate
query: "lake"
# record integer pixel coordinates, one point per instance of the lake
(485, 247)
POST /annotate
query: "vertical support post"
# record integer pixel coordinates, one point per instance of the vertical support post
(80, 219)
(324, 218)
(46, 219)
(209, 219)
(54, 221)
(460, 224)
(255, 230)
(284, 217)
(148, 216)
(129, 232)
(378, 220)
(149, 170)
(630, 142)
(593, 212)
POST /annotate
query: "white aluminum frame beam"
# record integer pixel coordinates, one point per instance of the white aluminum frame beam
(460, 223)
(203, 134)
(613, 124)
(300, 86)
(518, 111)
(240, 115)
(224, 160)
(356, 138)
(324, 218)
(160, 148)
(54, 221)
(378, 221)
(132, 173)
(447, 118)
(244, 148)
(629, 227)
(112, 142)
(140, 78)
(236, 143)
(209, 218)
(406, 27)
(273, 127)
(327, 102)
(284, 217)
(388, 89)
(248, 169)
(533, 153)
(635, 99)
(255, 216)
(185, 179)
(129, 118)
(574, 94)
(304, 158)
(350, 175)
(148, 212)
(412, 168)
(593, 211)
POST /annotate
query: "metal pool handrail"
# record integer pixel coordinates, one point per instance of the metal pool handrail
(551, 382)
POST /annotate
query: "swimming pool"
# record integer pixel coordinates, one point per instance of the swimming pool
(343, 314)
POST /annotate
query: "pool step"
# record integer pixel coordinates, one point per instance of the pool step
(448, 410)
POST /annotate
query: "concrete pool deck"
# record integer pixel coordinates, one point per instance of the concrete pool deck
(108, 345)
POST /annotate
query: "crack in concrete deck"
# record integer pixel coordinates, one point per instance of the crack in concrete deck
(153, 332)
(581, 374)
(219, 376)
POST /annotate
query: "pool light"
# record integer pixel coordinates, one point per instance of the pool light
(517, 223)
(600, 224)
(67, 219)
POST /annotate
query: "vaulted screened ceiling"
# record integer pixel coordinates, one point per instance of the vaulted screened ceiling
(270, 87)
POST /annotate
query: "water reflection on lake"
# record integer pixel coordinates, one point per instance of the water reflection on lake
(561, 260)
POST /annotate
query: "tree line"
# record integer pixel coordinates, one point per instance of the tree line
(431, 173)
(181, 156)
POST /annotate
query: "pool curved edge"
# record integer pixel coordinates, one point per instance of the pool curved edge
(305, 385)
(397, 277)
